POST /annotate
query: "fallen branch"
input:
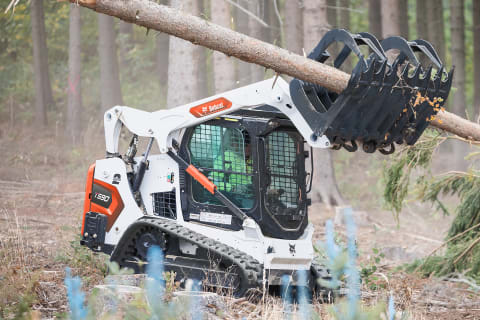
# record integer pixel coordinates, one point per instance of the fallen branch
(201, 32)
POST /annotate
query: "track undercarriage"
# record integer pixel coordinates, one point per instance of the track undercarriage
(193, 256)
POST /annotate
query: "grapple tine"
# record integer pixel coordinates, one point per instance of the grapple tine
(426, 48)
(382, 104)
(403, 46)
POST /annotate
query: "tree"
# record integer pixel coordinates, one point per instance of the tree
(257, 31)
(223, 66)
(162, 41)
(436, 26)
(325, 189)
(209, 35)
(344, 23)
(73, 122)
(111, 93)
(422, 26)
(294, 26)
(391, 18)
(43, 88)
(241, 25)
(476, 56)
(183, 86)
(403, 18)
(457, 25)
(375, 17)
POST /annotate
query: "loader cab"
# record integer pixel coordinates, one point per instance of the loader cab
(255, 158)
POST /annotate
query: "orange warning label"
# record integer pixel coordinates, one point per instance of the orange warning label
(210, 107)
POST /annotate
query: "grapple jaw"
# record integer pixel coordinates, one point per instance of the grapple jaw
(384, 103)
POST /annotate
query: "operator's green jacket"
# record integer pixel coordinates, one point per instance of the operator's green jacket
(234, 163)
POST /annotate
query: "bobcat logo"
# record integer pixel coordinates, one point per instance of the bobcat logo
(292, 248)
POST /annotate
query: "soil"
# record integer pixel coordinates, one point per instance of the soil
(41, 201)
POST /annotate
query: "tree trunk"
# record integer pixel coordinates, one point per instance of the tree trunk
(162, 41)
(375, 18)
(294, 26)
(73, 121)
(344, 23)
(457, 25)
(476, 57)
(391, 20)
(183, 86)
(332, 18)
(111, 92)
(271, 17)
(241, 25)
(315, 25)
(196, 30)
(257, 73)
(39, 59)
(436, 26)
(403, 17)
(223, 66)
(422, 26)
(203, 77)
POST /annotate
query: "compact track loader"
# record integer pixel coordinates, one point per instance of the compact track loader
(226, 197)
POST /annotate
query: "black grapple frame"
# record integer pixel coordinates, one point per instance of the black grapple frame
(384, 102)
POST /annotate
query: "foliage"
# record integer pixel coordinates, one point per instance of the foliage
(464, 233)
(398, 171)
(368, 271)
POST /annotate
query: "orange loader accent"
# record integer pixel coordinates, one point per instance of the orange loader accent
(201, 178)
(113, 210)
(88, 193)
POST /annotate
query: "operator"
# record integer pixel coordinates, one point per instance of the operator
(234, 167)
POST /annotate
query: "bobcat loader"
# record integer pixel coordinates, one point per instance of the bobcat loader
(226, 197)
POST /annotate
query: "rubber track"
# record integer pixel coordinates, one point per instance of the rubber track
(251, 271)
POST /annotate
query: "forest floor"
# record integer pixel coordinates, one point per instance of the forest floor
(41, 201)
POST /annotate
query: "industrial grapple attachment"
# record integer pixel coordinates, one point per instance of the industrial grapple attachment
(385, 102)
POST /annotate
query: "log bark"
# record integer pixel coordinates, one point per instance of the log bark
(198, 31)
(74, 107)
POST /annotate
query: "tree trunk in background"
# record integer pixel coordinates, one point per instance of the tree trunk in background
(39, 59)
(111, 91)
(183, 58)
(457, 25)
(403, 17)
(476, 57)
(325, 189)
(74, 109)
(422, 26)
(47, 85)
(203, 76)
(223, 66)
(375, 18)
(241, 25)
(257, 31)
(421, 19)
(271, 17)
(344, 23)
(294, 26)
(391, 18)
(391, 23)
(332, 18)
(436, 27)
(162, 41)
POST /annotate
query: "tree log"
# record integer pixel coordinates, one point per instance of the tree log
(201, 32)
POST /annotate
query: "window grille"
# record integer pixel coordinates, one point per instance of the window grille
(164, 204)
(283, 192)
(224, 156)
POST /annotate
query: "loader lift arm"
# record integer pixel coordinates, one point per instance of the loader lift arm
(165, 125)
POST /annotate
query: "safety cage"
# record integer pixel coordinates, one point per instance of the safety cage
(258, 164)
